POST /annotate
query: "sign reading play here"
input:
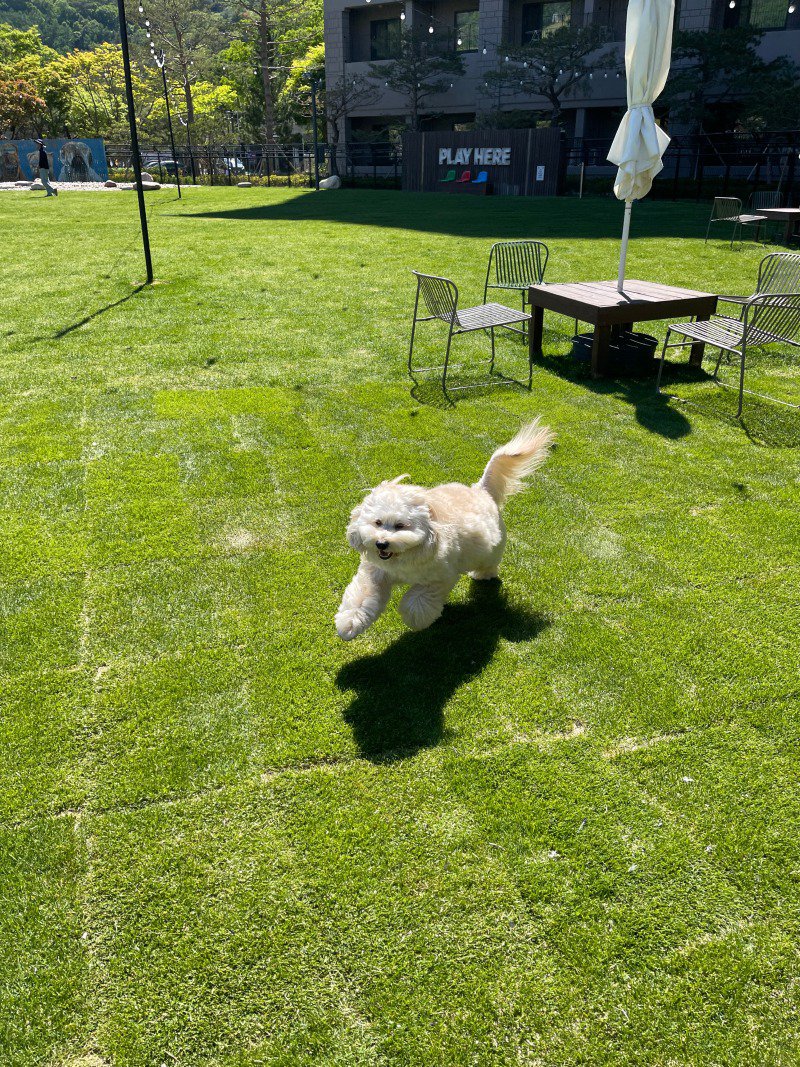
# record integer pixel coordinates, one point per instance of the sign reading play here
(479, 157)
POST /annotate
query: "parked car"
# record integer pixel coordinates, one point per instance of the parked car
(171, 166)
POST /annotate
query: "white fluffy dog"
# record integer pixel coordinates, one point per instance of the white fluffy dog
(428, 538)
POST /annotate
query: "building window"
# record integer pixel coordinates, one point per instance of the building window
(466, 28)
(384, 39)
(761, 14)
(538, 20)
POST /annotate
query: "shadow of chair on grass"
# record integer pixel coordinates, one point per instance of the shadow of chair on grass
(401, 693)
(766, 422)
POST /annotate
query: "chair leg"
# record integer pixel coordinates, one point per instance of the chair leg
(411, 349)
(716, 365)
(491, 365)
(661, 362)
(708, 231)
(446, 361)
(741, 384)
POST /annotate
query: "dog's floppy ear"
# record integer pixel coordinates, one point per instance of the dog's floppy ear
(352, 533)
(433, 520)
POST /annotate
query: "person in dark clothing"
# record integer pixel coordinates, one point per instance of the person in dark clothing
(44, 169)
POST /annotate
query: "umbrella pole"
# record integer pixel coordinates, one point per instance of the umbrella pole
(623, 252)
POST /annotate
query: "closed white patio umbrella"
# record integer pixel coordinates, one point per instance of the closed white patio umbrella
(639, 144)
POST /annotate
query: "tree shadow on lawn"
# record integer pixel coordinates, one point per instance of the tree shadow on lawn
(496, 217)
(401, 693)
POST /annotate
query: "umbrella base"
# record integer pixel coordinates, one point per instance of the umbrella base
(630, 354)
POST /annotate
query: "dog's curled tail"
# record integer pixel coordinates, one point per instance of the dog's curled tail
(520, 457)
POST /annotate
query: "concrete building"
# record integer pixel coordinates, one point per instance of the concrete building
(361, 32)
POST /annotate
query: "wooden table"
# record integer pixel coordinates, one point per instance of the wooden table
(609, 312)
(788, 215)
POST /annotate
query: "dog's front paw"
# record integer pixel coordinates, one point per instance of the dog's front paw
(351, 622)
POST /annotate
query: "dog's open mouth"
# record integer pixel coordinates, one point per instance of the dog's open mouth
(384, 554)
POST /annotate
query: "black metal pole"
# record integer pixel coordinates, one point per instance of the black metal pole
(137, 163)
(314, 122)
(171, 134)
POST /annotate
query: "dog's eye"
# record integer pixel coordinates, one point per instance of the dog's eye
(399, 526)
(378, 522)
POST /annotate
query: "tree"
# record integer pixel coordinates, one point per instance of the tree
(710, 69)
(189, 33)
(21, 110)
(278, 30)
(65, 24)
(340, 99)
(552, 66)
(774, 103)
(424, 67)
(24, 57)
(97, 105)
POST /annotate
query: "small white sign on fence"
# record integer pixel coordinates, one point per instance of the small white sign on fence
(540, 174)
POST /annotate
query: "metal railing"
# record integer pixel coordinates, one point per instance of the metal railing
(375, 163)
(702, 166)
(698, 167)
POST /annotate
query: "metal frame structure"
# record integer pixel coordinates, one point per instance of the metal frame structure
(517, 265)
(729, 209)
(440, 297)
(778, 272)
(767, 318)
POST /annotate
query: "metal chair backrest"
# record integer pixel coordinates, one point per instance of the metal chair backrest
(519, 262)
(779, 314)
(726, 208)
(440, 295)
(779, 272)
(765, 199)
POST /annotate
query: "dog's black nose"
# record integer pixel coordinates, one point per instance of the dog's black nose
(382, 545)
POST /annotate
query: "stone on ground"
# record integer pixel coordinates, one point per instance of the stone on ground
(334, 182)
(244, 185)
(110, 184)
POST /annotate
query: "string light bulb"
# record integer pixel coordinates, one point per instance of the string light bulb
(141, 9)
(484, 49)
(402, 16)
(430, 28)
(459, 42)
(791, 9)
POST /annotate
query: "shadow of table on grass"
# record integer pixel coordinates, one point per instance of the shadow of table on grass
(654, 411)
(401, 693)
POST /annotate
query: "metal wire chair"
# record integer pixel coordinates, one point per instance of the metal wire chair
(779, 272)
(766, 198)
(517, 265)
(729, 209)
(440, 298)
(767, 318)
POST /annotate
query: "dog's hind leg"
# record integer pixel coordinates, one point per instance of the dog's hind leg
(423, 604)
(364, 600)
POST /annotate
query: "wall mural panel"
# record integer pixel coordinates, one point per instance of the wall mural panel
(79, 159)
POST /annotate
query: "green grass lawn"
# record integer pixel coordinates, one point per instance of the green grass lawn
(558, 828)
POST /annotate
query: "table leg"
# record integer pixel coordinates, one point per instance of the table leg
(535, 330)
(697, 349)
(602, 337)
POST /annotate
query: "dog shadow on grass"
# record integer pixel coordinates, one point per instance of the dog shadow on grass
(401, 693)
